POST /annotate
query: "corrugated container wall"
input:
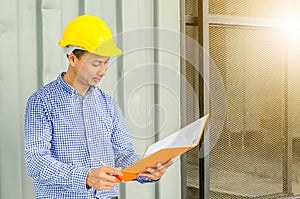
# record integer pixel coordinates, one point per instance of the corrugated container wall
(30, 58)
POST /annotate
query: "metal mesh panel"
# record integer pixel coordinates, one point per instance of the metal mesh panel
(191, 7)
(294, 113)
(247, 160)
(253, 8)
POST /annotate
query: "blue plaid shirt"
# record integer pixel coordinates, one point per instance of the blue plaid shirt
(66, 135)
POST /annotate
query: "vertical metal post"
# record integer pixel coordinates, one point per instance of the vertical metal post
(200, 97)
(39, 44)
(81, 7)
(287, 137)
(120, 63)
(183, 97)
(156, 81)
(205, 106)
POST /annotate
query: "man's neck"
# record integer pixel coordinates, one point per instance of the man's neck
(70, 78)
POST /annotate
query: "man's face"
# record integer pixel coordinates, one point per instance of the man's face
(91, 68)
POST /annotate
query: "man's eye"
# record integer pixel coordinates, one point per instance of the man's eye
(100, 63)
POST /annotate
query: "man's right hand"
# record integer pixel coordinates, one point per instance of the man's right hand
(103, 178)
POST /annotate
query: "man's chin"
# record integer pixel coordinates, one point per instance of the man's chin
(94, 83)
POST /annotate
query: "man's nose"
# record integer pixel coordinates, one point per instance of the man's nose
(102, 72)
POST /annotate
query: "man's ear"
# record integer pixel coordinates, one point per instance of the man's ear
(72, 59)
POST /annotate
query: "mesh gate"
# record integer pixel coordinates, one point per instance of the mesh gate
(248, 159)
(257, 153)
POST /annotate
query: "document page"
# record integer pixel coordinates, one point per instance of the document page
(188, 136)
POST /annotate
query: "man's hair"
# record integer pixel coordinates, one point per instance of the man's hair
(78, 53)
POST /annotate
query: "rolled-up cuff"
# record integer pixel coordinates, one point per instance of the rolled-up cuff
(79, 176)
(143, 179)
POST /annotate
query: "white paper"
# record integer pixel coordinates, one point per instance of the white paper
(188, 136)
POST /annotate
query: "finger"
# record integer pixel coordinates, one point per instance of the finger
(107, 177)
(110, 184)
(159, 166)
(170, 161)
(113, 171)
(103, 187)
(167, 165)
(156, 172)
(164, 165)
(147, 174)
(110, 179)
(150, 170)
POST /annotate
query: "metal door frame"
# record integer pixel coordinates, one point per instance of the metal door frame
(204, 21)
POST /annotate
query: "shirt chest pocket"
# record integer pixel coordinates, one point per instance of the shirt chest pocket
(106, 129)
(105, 123)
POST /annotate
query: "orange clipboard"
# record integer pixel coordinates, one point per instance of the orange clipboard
(167, 148)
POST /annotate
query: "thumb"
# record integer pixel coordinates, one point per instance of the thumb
(113, 171)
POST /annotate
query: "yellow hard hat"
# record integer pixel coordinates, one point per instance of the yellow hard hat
(90, 33)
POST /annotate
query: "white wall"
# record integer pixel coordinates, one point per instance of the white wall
(30, 57)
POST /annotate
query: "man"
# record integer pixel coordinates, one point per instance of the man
(76, 139)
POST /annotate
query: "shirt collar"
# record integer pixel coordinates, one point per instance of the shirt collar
(65, 85)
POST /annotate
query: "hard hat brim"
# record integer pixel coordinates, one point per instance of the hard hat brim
(107, 48)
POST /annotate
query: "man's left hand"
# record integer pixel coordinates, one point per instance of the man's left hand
(155, 173)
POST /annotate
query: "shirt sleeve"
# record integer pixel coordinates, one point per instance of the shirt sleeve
(122, 143)
(41, 166)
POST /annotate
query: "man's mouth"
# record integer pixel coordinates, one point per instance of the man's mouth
(97, 79)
